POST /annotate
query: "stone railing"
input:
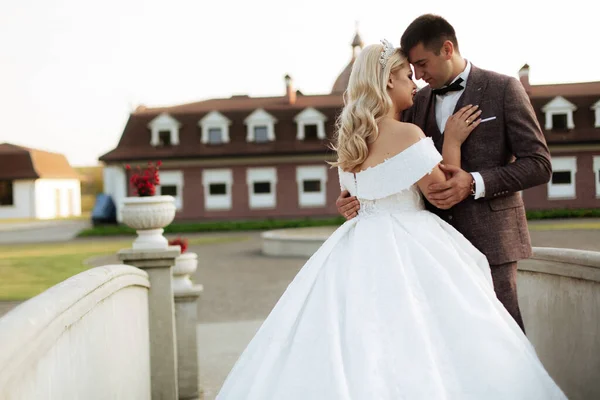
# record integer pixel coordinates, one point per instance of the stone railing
(85, 338)
(559, 294)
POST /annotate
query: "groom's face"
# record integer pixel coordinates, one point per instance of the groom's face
(431, 67)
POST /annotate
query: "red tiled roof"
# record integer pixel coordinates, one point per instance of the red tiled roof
(18, 162)
(583, 96)
(135, 141)
(566, 90)
(247, 103)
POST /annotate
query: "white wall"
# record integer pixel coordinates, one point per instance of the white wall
(115, 185)
(23, 201)
(85, 338)
(56, 198)
(559, 297)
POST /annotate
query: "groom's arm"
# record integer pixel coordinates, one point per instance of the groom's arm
(532, 166)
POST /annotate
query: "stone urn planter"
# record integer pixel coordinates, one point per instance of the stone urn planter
(185, 266)
(148, 215)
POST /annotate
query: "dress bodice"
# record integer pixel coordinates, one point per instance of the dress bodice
(392, 185)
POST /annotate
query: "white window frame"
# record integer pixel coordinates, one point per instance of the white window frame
(164, 122)
(312, 172)
(597, 175)
(216, 176)
(559, 105)
(310, 116)
(596, 108)
(173, 178)
(214, 120)
(260, 117)
(563, 191)
(262, 200)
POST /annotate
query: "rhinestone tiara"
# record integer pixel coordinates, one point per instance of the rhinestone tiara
(388, 50)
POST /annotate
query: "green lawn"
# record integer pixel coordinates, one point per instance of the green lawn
(27, 270)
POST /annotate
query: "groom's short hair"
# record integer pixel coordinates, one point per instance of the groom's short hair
(431, 30)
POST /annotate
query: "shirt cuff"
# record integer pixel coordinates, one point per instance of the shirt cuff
(479, 185)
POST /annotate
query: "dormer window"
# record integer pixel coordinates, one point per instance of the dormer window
(559, 114)
(596, 109)
(215, 136)
(164, 138)
(261, 134)
(215, 128)
(311, 124)
(560, 122)
(311, 132)
(260, 127)
(164, 131)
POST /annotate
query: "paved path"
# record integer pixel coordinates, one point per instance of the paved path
(41, 231)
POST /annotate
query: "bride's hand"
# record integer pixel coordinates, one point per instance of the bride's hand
(460, 125)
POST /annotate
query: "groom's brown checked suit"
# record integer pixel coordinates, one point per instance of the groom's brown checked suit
(511, 154)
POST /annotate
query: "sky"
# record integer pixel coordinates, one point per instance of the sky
(73, 70)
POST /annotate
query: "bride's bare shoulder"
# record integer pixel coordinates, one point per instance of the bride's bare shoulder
(402, 135)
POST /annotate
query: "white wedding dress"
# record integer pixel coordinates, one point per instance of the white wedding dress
(396, 304)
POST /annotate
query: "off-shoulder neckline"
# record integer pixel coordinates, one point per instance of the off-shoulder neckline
(387, 160)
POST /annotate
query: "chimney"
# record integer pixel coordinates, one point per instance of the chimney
(524, 78)
(290, 93)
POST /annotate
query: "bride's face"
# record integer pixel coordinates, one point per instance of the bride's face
(402, 88)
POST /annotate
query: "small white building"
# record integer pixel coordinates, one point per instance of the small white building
(37, 184)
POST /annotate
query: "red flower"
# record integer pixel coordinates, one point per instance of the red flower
(145, 181)
(182, 243)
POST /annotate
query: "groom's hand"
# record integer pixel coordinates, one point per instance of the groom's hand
(457, 188)
(347, 205)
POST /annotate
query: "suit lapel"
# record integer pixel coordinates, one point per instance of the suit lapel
(473, 93)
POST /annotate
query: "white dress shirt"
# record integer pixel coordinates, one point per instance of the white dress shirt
(444, 108)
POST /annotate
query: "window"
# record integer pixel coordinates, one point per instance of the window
(217, 185)
(559, 114)
(261, 187)
(311, 124)
(310, 132)
(312, 186)
(171, 184)
(164, 131)
(261, 134)
(217, 189)
(311, 182)
(597, 175)
(561, 178)
(215, 128)
(562, 184)
(559, 122)
(596, 109)
(170, 190)
(164, 138)
(260, 127)
(6, 193)
(215, 136)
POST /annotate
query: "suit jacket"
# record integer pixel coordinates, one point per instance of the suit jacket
(509, 152)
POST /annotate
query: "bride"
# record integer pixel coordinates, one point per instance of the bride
(396, 304)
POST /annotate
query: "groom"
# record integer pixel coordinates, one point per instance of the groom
(505, 154)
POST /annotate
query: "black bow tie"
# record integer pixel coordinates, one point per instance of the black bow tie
(453, 87)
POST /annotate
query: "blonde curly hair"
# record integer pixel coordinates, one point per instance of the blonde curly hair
(366, 102)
